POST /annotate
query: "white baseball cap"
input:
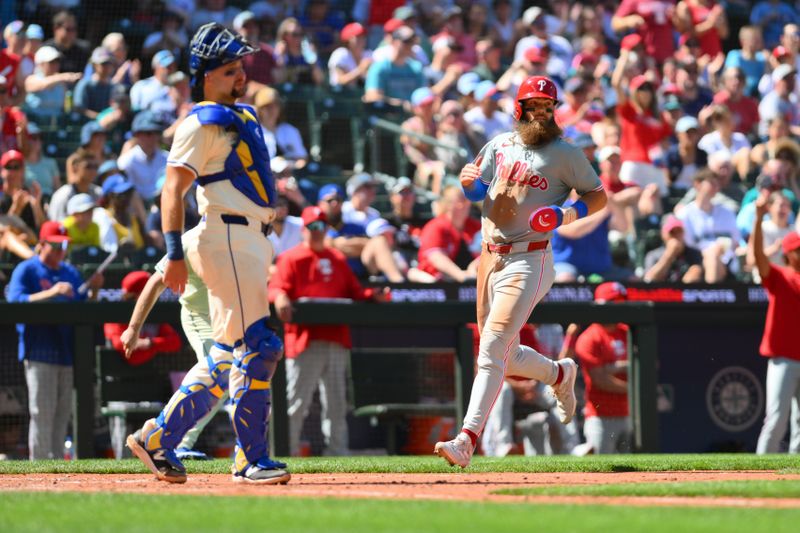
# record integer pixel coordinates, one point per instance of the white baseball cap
(781, 71)
(379, 226)
(606, 152)
(79, 203)
(46, 54)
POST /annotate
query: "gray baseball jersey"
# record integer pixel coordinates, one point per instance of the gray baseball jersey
(522, 179)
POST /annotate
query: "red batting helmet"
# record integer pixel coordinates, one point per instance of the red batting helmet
(534, 87)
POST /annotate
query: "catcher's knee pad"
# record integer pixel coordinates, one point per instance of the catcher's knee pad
(250, 395)
(258, 337)
(200, 390)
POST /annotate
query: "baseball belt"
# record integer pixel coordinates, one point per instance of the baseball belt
(240, 220)
(511, 247)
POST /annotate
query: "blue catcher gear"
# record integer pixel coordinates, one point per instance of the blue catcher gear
(202, 387)
(247, 166)
(250, 393)
(212, 46)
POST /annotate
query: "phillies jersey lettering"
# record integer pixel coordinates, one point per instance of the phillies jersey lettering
(522, 179)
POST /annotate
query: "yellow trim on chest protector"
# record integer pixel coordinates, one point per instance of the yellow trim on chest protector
(246, 157)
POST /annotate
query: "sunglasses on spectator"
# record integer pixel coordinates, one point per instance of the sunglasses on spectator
(60, 245)
(13, 166)
(317, 225)
(332, 199)
(94, 166)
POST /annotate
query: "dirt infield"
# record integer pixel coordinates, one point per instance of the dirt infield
(451, 487)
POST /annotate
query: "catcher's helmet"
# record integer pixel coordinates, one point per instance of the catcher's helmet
(534, 87)
(212, 46)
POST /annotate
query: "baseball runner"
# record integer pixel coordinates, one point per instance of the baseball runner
(523, 178)
(196, 325)
(220, 144)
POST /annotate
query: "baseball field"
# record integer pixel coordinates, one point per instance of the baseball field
(653, 493)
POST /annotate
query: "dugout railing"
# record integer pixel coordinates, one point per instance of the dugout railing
(87, 317)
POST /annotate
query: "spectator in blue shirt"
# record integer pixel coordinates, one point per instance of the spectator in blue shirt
(47, 350)
(772, 16)
(393, 80)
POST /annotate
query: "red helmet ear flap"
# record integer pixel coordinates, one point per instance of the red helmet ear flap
(517, 110)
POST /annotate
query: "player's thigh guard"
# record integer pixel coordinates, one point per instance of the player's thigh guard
(202, 387)
(250, 392)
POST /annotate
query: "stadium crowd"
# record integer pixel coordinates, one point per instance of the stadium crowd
(687, 109)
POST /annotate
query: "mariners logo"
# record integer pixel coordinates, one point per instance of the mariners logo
(734, 398)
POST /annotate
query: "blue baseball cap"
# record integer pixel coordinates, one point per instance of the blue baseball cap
(685, 124)
(34, 31)
(163, 58)
(116, 184)
(422, 96)
(145, 121)
(467, 83)
(487, 89)
(331, 189)
(583, 140)
(107, 166)
(88, 130)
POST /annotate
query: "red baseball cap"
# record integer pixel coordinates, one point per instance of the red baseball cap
(780, 51)
(53, 231)
(134, 282)
(791, 242)
(11, 155)
(313, 213)
(610, 291)
(354, 29)
(392, 24)
(629, 42)
(535, 54)
(638, 81)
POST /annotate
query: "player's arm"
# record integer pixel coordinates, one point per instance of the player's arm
(446, 266)
(178, 181)
(144, 304)
(756, 243)
(603, 379)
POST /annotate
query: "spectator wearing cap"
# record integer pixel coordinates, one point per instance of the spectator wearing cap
(322, 24)
(260, 67)
(11, 60)
(421, 154)
(349, 238)
(16, 198)
(406, 218)
(651, 21)
(464, 43)
(722, 136)
(743, 108)
(642, 128)
(361, 191)
(444, 250)
(47, 86)
(287, 231)
(731, 192)
(602, 351)
(780, 343)
(581, 108)
(381, 256)
(486, 118)
(394, 79)
(153, 338)
(145, 161)
(532, 63)
(93, 139)
(81, 171)
(560, 49)
(282, 139)
(296, 56)
(490, 64)
(93, 93)
(171, 34)
(127, 70)
(117, 118)
(750, 58)
(692, 95)
(684, 159)
(153, 93)
(288, 186)
(704, 19)
(674, 261)
(82, 231)
(773, 178)
(711, 228)
(772, 16)
(465, 86)
(117, 218)
(455, 131)
(38, 167)
(781, 100)
(46, 351)
(181, 95)
(153, 228)
(316, 354)
(781, 55)
(74, 52)
(34, 35)
(777, 225)
(348, 64)
(623, 196)
(385, 50)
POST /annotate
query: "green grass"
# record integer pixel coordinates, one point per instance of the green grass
(784, 488)
(425, 464)
(122, 513)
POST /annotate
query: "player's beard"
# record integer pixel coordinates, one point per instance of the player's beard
(237, 93)
(539, 132)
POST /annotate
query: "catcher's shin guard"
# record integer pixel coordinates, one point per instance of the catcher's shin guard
(202, 387)
(250, 394)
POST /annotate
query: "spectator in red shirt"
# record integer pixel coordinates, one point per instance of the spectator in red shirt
(14, 132)
(444, 250)
(153, 339)
(467, 57)
(781, 340)
(579, 110)
(603, 353)
(316, 354)
(642, 128)
(652, 20)
(743, 108)
(706, 20)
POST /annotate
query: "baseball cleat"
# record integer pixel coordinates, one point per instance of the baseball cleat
(544, 219)
(264, 472)
(185, 454)
(161, 462)
(565, 391)
(457, 451)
